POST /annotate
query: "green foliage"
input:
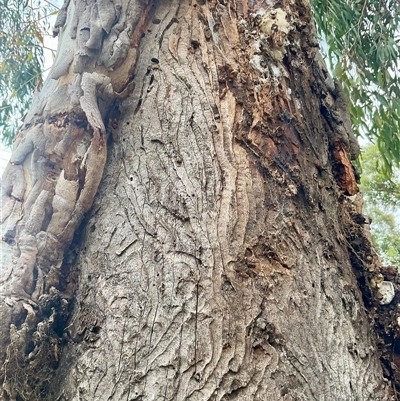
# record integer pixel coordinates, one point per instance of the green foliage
(23, 23)
(363, 39)
(382, 196)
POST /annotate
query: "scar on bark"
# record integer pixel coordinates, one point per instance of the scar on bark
(344, 171)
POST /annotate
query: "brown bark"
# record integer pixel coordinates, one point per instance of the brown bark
(220, 258)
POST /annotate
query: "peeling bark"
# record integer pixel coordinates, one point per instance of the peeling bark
(50, 184)
(218, 261)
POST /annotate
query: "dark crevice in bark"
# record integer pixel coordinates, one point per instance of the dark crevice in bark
(32, 361)
(384, 318)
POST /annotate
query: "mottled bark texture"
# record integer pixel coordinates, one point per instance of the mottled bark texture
(222, 256)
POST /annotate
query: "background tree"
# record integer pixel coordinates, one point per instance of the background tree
(222, 258)
(22, 29)
(382, 197)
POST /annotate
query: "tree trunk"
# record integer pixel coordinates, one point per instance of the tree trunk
(222, 256)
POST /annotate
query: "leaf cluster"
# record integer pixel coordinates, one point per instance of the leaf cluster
(363, 47)
(22, 23)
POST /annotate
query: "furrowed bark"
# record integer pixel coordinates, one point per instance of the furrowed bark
(217, 261)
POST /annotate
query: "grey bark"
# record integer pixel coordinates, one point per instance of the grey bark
(216, 260)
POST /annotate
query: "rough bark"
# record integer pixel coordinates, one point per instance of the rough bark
(222, 257)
